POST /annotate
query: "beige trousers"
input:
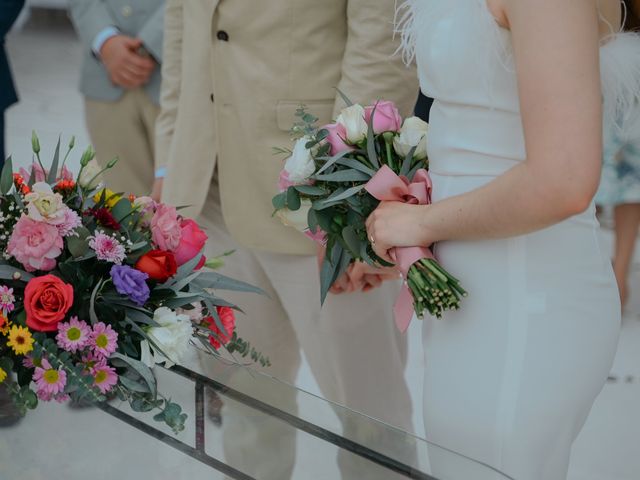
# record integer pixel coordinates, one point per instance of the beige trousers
(352, 346)
(125, 129)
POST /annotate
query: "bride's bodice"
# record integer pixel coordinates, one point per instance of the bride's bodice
(465, 63)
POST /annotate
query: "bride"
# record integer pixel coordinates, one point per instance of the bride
(515, 147)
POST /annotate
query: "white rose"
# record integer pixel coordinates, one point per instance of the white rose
(172, 337)
(412, 134)
(296, 218)
(353, 120)
(89, 176)
(43, 205)
(300, 165)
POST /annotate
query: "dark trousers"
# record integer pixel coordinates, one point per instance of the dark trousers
(2, 153)
(423, 106)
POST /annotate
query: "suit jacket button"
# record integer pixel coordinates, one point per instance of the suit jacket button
(223, 36)
(127, 11)
(211, 97)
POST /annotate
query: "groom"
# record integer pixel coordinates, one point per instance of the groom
(233, 76)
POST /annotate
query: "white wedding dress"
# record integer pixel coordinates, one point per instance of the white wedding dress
(510, 377)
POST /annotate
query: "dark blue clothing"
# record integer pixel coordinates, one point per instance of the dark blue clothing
(9, 11)
(423, 106)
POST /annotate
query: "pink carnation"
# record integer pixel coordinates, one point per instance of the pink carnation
(165, 228)
(35, 245)
(71, 221)
(107, 248)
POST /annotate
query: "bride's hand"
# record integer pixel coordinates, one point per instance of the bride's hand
(395, 224)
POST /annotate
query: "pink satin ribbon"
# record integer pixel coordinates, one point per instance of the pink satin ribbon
(386, 186)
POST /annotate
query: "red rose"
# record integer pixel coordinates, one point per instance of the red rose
(47, 300)
(228, 320)
(158, 264)
(191, 244)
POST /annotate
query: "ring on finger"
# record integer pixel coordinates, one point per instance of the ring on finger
(372, 240)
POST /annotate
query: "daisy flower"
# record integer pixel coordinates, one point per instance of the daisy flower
(91, 361)
(20, 340)
(6, 299)
(107, 248)
(3, 375)
(104, 377)
(49, 380)
(29, 362)
(104, 339)
(73, 335)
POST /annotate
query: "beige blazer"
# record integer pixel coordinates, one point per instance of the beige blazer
(234, 73)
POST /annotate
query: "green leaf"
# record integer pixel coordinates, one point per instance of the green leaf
(7, 272)
(78, 245)
(371, 145)
(337, 197)
(279, 201)
(406, 164)
(134, 386)
(53, 172)
(351, 239)
(138, 367)
(6, 178)
(346, 99)
(217, 281)
(310, 190)
(122, 209)
(332, 160)
(357, 165)
(293, 199)
(344, 176)
(330, 271)
(312, 220)
(92, 304)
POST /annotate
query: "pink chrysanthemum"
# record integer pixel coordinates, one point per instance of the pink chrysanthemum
(47, 397)
(107, 248)
(104, 339)
(49, 380)
(73, 335)
(29, 362)
(71, 221)
(6, 299)
(104, 377)
(91, 361)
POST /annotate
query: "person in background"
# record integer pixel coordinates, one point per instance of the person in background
(620, 184)
(230, 91)
(120, 81)
(9, 11)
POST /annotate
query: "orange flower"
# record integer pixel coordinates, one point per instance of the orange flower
(20, 184)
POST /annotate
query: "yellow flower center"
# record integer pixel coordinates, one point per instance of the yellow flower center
(101, 376)
(74, 334)
(51, 376)
(102, 341)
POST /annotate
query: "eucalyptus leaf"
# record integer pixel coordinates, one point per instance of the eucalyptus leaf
(333, 199)
(310, 190)
(7, 272)
(351, 239)
(138, 367)
(78, 244)
(351, 175)
(293, 199)
(356, 165)
(332, 160)
(6, 178)
(329, 271)
(346, 99)
(217, 281)
(53, 172)
(279, 201)
(371, 145)
(134, 386)
(406, 163)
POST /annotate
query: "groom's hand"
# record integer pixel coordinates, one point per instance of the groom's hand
(126, 67)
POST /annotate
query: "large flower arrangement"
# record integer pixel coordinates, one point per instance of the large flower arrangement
(97, 287)
(335, 177)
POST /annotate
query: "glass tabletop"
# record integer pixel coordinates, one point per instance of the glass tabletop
(242, 425)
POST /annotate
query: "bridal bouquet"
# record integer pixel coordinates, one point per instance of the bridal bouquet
(336, 176)
(97, 287)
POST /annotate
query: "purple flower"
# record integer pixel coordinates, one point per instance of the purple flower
(131, 282)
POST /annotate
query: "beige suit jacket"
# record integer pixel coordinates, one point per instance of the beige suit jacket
(234, 72)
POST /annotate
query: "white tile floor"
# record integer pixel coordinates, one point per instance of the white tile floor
(46, 56)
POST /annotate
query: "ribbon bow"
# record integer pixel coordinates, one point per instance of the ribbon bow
(387, 186)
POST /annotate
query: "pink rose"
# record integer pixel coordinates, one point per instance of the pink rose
(35, 245)
(283, 181)
(386, 117)
(165, 228)
(336, 138)
(192, 242)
